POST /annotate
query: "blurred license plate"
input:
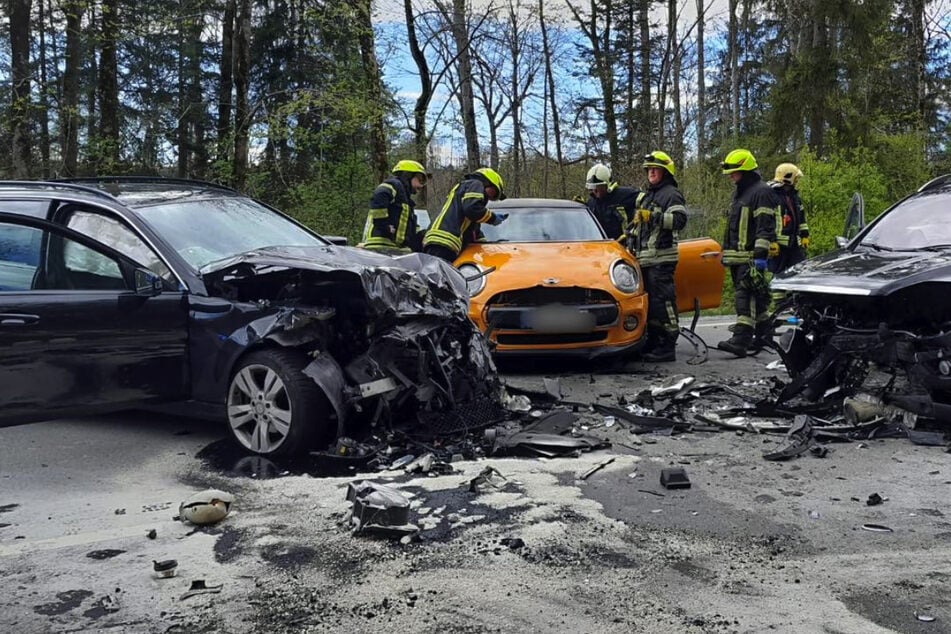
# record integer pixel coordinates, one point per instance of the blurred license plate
(560, 319)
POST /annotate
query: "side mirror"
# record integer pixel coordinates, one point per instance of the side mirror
(340, 241)
(855, 218)
(147, 283)
(841, 241)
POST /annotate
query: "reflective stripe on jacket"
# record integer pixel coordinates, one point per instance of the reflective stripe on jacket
(656, 242)
(464, 206)
(791, 220)
(751, 223)
(391, 222)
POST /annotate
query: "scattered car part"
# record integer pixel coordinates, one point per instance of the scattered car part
(674, 478)
(152, 533)
(486, 477)
(206, 507)
(876, 528)
(379, 509)
(165, 568)
(799, 440)
(874, 500)
(199, 586)
(590, 472)
(925, 618)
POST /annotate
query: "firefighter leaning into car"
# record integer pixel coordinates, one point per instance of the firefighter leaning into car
(465, 206)
(611, 204)
(750, 230)
(660, 215)
(391, 224)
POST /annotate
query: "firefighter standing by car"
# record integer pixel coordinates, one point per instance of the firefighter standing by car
(660, 215)
(391, 223)
(465, 207)
(611, 204)
(792, 232)
(750, 230)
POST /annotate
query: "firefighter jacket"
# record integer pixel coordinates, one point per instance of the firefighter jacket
(751, 223)
(464, 207)
(615, 210)
(391, 223)
(655, 242)
(791, 221)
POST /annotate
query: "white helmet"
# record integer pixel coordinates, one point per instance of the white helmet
(599, 174)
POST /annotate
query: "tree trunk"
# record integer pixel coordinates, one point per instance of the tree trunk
(44, 106)
(701, 83)
(242, 74)
(374, 88)
(107, 156)
(733, 51)
(677, 68)
(226, 81)
(69, 110)
(460, 35)
(643, 20)
(550, 96)
(20, 35)
(920, 55)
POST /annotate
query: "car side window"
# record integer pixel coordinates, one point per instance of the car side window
(112, 232)
(34, 259)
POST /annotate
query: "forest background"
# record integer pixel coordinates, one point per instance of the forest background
(306, 104)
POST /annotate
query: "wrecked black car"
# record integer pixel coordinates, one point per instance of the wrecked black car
(183, 295)
(874, 317)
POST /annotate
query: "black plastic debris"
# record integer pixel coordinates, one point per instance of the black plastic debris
(674, 478)
(874, 500)
(200, 587)
(799, 438)
(927, 438)
(379, 509)
(876, 528)
(514, 543)
(152, 533)
(544, 445)
(165, 568)
(819, 451)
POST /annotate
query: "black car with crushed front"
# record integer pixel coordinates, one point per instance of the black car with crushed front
(874, 317)
(123, 292)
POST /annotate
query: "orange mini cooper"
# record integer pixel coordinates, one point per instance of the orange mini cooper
(548, 280)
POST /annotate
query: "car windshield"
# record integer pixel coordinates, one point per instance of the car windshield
(207, 230)
(541, 224)
(921, 222)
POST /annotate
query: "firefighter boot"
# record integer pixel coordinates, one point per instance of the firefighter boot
(739, 342)
(664, 350)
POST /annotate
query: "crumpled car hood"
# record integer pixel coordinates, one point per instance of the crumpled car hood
(408, 285)
(865, 272)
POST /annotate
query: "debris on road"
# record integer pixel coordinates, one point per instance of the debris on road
(199, 586)
(874, 500)
(379, 509)
(587, 474)
(876, 528)
(165, 569)
(674, 478)
(485, 477)
(206, 507)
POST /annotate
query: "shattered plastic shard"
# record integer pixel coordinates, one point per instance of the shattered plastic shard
(164, 569)
(206, 507)
(876, 528)
(674, 478)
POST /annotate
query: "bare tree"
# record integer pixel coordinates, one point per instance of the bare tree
(226, 79)
(455, 16)
(549, 95)
(701, 82)
(108, 89)
(20, 32)
(374, 88)
(69, 109)
(242, 73)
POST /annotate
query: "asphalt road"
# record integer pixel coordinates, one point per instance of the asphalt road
(752, 546)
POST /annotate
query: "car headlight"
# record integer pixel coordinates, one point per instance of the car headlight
(475, 280)
(625, 277)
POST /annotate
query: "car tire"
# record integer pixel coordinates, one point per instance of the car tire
(273, 409)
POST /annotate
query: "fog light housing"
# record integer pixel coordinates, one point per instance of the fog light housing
(631, 322)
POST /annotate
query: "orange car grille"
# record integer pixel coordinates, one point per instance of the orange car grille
(541, 295)
(515, 310)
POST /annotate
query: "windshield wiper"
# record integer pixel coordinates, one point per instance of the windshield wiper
(936, 247)
(877, 247)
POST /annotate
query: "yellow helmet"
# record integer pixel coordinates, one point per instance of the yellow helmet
(599, 174)
(739, 161)
(493, 177)
(788, 173)
(661, 160)
(414, 167)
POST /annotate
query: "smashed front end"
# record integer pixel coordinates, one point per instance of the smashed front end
(390, 339)
(893, 346)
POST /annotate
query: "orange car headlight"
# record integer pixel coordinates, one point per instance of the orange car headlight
(475, 278)
(625, 277)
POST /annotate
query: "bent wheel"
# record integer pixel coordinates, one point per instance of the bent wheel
(273, 408)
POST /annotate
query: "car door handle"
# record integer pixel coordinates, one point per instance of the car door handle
(17, 319)
(709, 254)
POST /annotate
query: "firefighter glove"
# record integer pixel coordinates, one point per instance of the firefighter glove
(804, 241)
(760, 264)
(580, 199)
(497, 218)
(773, 249)
(642, 215)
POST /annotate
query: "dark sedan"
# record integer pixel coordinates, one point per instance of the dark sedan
(875, 316)
(128, 292)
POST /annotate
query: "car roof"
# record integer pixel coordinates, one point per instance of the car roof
(536, 203)
(141, 191)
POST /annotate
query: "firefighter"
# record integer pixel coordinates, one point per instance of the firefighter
(391, 223)
(465, 207)
(792, 232)
(750, 230)
(611, 204)
(660, 215)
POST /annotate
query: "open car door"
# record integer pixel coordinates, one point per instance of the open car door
(82, 327)
(699, 276)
